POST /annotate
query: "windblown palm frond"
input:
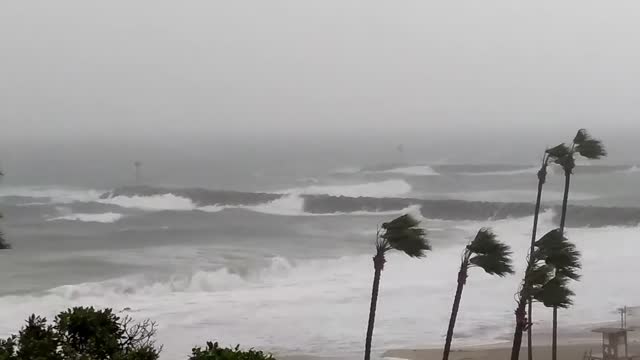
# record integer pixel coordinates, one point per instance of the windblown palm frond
(557, 251)
(591, 149)
(493, 265)
(568, 162)
(581, 136)
(550, 240)
(403, 234)
(566, 262)
(587, 146)
(555, 293)
(491, 255)
(485, 242)
(400, 223)
(382, 246)
(3, 242)
(558, 151)
(539, 275)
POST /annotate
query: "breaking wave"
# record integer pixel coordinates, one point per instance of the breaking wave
(285, 202)
(166, 201)
(370, 198)
(58, 195)
(281, 292)
(527, 171)
(351, 199)
(197, 281)
(388, 188)
(105, 218)
(419, 170)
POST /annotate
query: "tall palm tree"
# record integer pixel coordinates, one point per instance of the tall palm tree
(587, 147)
(555, 260)
(484, 252)
(402, 234)
(590, 148)
(542, 179)
(550, 155)
(3, 242)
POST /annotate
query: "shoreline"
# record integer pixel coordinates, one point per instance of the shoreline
(572, 348)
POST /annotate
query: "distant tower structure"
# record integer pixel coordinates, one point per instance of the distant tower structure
(400, 149)
(138, 165)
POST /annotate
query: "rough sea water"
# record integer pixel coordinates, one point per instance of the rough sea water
(286, 267)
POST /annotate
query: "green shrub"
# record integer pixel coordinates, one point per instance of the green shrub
(8, 348)
(214, 352)
(82, 334)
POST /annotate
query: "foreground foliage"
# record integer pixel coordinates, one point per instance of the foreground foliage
(84, 333)
(214, 352)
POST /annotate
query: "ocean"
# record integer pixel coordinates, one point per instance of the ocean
(283, 263)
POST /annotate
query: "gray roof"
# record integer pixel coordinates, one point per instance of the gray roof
(611, 330)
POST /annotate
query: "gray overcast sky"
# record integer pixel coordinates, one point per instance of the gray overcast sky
(157, 68)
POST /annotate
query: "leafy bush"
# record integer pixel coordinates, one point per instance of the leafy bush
(82, 334)
(214, 352)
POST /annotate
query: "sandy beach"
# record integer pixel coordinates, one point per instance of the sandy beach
(573, 343)
(503, 351)
(568, 349)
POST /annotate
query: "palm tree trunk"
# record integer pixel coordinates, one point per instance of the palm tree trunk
(520, 326)
(554, 341)
(530, 331)
(378, 265)
(563, 218)
(462, 279)
(565, 200)
(542, 178)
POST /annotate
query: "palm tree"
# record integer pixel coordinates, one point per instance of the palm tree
(3, 242)
(584, 145)
(549, 155)
(484, 252)
(555, 260)
(402, 234)
(542, 179)
(566, 263)
(590, 148)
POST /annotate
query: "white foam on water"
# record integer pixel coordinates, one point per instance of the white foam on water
(388, 188)
(632, 170)
(347, 170)
(56, 195)
(413, 210)
(510, 196)
(155, 202)
(286, 205)
(328, 299)
(418, 170)
(293, 205)
(532, 170)
(104, 218)
(290, 204)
